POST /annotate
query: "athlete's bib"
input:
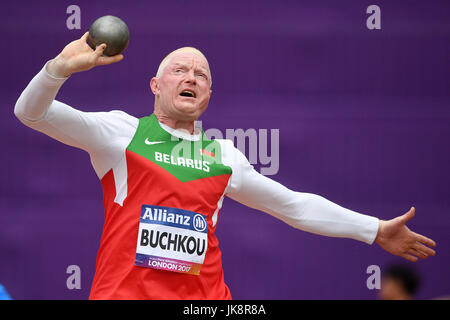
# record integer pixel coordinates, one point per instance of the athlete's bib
(171, 239)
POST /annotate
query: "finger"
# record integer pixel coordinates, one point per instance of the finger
(418, 253)
(425, 240)
(99, 50)
(409, 215)
(409, 257)
(108, 60)
(420, 247)
(85, 36)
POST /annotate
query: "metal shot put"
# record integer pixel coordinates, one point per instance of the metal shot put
(112, 31)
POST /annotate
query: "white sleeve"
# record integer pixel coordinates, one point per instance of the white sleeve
(101, 134)
(304, 211)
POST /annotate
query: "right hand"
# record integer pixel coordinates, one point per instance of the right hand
(78, 56)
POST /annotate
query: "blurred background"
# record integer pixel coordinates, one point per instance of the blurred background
(364, 120)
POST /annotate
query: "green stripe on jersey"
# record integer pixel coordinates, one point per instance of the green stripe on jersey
(186, 160)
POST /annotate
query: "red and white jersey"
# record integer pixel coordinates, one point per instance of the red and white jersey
(161, 207)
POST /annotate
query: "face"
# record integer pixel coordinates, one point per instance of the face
(183, 90)
(391, 289)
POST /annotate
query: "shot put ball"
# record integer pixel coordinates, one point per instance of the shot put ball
(112, 31)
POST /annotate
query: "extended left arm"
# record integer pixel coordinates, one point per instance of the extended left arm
(315, 214)
(305, 211)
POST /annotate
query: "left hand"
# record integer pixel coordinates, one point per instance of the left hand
(396, 238)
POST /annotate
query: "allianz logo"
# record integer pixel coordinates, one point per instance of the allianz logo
(160, 214)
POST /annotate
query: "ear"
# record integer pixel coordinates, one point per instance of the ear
(154, 85)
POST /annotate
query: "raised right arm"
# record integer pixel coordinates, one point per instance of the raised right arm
(38, 109)
(90, 131)
(77, 56)
(36, 100)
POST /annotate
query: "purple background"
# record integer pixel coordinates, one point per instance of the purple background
(364, 119)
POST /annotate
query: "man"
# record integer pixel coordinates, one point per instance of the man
(164, 183)
(399, 282)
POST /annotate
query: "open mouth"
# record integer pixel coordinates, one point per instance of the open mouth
(187, 93)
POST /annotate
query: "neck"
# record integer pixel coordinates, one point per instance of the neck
(175, 124)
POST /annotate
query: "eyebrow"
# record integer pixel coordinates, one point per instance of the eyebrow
(183, 65)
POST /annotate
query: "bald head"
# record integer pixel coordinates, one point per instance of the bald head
(185, 50)
(182, 87)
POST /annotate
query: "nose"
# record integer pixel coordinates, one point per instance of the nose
(190, 77)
